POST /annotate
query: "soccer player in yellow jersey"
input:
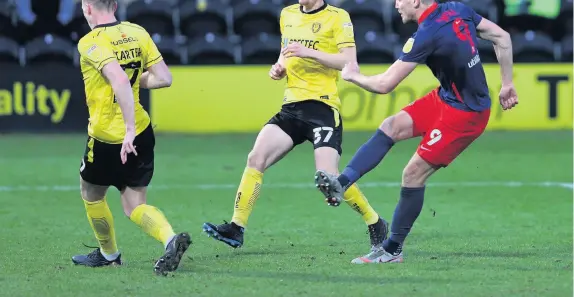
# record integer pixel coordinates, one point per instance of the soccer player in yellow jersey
(117, 59)
(317, 42)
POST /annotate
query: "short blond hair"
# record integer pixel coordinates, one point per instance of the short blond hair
(108, 5)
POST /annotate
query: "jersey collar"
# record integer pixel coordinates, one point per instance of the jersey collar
(108, 25)
(427, 12)
(313, 11)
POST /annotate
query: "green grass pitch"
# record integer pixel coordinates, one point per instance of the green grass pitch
(497, 222)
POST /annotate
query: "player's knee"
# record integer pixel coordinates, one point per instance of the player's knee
(128, 209)
(390, 129)
(329, 169)
(413, 176)
(132, 197)
(396, 127)
(327, 159)
(91, 193)
(257, 161)
(129, 205)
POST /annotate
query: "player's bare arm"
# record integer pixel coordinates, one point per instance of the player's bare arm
(156, 77)
(277, 71)
(120, 83)
(503, 48)
(383, 83)
(335, 61)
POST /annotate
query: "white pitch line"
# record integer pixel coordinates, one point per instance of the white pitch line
(483, 184)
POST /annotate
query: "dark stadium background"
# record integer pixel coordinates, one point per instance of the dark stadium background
(497, 222)
(192, 32)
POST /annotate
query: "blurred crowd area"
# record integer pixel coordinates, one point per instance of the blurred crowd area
(200, 32)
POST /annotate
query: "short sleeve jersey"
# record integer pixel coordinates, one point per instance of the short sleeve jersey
(132, 47)
(446, 41)
(327, 29)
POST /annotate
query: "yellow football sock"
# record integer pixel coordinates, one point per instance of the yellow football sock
(153, 222)
(357, 201)
(247, 194)
(102, 222)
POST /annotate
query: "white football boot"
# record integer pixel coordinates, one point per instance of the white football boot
(379, 255)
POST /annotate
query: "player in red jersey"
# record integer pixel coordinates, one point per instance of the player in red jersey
(448, 119)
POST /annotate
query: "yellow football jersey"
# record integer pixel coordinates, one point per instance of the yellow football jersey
(327, 29)
(130, 45)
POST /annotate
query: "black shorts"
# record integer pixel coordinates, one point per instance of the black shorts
(311, 120)
(102, 164)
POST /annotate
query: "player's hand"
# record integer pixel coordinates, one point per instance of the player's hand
(296, 50)
(508, 97)
(277, 71)
(128, 146)
(350, 70)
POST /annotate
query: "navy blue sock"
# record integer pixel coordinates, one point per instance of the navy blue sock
(369, 155)
(406, 213)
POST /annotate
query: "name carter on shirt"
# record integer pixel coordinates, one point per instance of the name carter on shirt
(129, 54)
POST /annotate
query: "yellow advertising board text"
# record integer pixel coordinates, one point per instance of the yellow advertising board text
(244, 98)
